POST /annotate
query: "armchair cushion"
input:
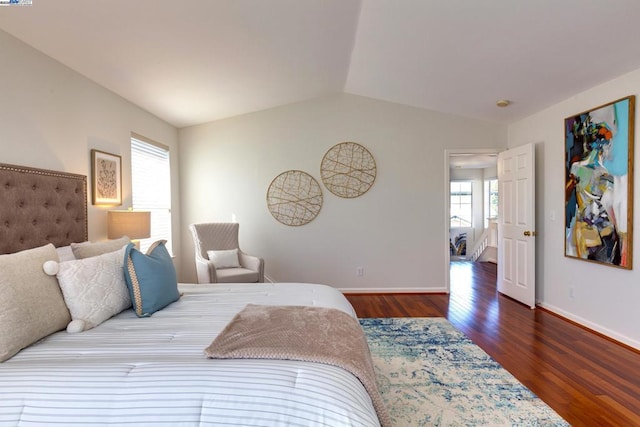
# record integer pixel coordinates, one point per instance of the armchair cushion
(224, 259)
(237, 275)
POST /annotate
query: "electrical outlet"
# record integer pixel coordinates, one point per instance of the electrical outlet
(571, 292)
(359, 271)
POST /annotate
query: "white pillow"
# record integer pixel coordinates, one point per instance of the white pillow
(93, 288)
(90, 249)
(224, 259)
(65, 253)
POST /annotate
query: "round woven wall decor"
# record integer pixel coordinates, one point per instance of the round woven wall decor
(294, 198)
(348, 170)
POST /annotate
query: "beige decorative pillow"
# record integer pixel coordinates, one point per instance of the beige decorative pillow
(93, 288)
(31, 304)
(89, 249)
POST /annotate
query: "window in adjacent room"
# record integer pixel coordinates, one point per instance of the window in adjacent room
(490, 200)
(461, 204)
(151, 187)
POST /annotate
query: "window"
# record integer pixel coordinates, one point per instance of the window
(461, 204)
(490, 200)
(151, 187)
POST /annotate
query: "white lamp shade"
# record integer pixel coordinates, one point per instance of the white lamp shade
(133, 224)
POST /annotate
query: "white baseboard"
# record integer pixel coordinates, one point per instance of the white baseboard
(591, 325)
(393, 290)
(438, 290)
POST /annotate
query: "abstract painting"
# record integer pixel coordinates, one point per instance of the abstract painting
(599, 184)
(106, 173)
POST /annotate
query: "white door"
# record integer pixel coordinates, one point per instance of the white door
(516, 224)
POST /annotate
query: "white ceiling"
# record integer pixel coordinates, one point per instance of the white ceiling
(473, 161)
(194, 61)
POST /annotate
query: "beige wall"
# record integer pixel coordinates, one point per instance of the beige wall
(395, 231)
(605, 298)
(51, 117)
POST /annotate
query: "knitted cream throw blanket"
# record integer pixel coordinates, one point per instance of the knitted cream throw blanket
(309, 334)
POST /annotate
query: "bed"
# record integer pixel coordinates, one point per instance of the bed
(151, 370)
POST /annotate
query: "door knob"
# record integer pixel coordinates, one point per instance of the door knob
(527, 233)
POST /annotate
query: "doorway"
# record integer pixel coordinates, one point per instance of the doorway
(466, 171)
(516, 222)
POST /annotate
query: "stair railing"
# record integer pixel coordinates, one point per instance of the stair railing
(479, 247)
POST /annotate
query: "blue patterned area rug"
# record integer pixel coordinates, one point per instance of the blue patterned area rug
(431, 374)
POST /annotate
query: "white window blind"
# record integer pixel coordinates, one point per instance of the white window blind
(151, 188)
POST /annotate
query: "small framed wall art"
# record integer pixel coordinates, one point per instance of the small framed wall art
(599, 184)
(106, 178)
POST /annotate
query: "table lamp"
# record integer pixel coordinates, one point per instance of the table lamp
(133, 224)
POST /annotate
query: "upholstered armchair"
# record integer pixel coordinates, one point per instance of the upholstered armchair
(216, 246)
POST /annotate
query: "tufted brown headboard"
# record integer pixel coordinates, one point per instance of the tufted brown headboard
(39, 206)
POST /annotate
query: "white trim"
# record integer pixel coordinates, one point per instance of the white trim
(440, 290)
(149, 141)
(594, 326)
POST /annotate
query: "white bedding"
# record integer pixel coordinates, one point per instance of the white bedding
(152, 371)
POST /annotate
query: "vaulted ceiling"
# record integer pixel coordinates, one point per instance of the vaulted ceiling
(194, 61)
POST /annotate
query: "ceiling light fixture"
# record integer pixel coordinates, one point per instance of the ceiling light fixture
(503, 102)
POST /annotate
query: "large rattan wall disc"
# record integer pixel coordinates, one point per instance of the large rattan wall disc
(294, 198)
(348, 170)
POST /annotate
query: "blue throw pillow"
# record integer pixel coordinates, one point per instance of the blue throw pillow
(151, 278)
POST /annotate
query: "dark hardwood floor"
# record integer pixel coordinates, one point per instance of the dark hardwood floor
(588, 379)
